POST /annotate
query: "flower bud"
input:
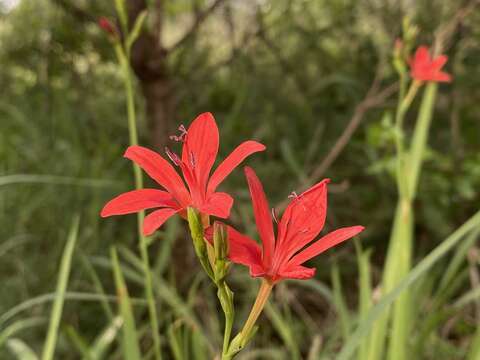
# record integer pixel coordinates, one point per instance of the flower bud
(220, 241)
(196, 230)
(106, 25)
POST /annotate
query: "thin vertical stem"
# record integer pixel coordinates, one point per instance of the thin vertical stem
(404, 102)
(143, 244)
(260, 301)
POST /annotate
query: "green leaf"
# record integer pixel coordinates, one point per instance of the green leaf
(365, 288)
(284, 329)
(137, 28)
(121, 9)
(51, 339)
(131, 349)
(18, 326)
(21, 350)
(105, 339)
(421, 269)
(339, 302)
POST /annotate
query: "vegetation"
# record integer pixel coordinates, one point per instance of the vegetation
(323, 85)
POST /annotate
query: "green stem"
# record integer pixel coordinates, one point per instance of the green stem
(123, 58)
(420, 137)
(214, 264)
(260, 301)
(248, 330)
(404, 102)
(225, 297)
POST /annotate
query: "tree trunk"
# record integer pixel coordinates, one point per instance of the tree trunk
(150, 66)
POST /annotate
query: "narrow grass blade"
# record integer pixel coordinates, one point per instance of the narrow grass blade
(458, 258)
(105, 340)
(21, 350)
(284, 329)
(53, 180)
(98, 286)
(419, 270)
(175, 341)
(51, 340)
(365, 289)
(79, 343)
(129, 342)
(74, 296)
(474, 352)
(317, 286)
(18, 326)
(339, 302)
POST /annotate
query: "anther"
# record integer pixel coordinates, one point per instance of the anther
(192, 159)
(293, 195)
(172, 156)
(274, 216)
(296, 197)
(181, 137)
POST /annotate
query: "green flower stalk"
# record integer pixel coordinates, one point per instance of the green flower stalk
(122, 51)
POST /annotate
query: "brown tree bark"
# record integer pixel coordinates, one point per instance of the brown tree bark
(149, 62)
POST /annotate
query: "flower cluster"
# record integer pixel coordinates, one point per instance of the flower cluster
(189, 189)
(281, 256)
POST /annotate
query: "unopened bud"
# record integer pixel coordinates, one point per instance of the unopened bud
(196, 230)
(220, 241)
(107, 26)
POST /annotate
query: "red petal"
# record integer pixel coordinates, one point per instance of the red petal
(160, 170)
(443, 77)
(137, 200)
(303, 219)
(325, 243)
(439, 62)
(201, 147)
(422, 55)
(242, 151)
(156, 219)
(243, 250)
(297, 272)
(218, 204)
(262, 215)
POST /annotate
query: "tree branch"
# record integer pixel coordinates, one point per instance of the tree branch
(372, 99)
(199, 19)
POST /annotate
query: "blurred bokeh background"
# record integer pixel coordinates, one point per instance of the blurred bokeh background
(312, 80)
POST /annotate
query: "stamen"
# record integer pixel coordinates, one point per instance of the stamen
(274, 216)
(293, 195)
(192, 159)
(181, 137)
(296, 197)
(172, 156)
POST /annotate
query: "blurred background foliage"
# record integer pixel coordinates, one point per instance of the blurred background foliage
(291, 74)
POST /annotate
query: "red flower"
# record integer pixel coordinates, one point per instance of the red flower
(424, 68)
(200, 147)
(281, 257)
